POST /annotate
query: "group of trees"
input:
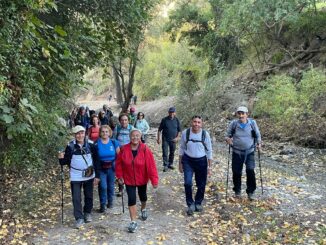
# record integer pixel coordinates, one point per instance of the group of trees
(46, 48)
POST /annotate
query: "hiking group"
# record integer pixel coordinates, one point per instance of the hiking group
(99, 154)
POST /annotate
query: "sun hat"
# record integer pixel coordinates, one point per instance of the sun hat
(77, 129)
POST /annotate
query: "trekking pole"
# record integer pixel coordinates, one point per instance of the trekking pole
(62, 176)
(122, 202)
(261, 178)
(227, 177)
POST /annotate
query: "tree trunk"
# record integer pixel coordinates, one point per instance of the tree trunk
(131, 80)
(117, 85)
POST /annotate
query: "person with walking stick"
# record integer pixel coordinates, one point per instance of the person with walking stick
(135, 166)
(243, 136)
(79, 155)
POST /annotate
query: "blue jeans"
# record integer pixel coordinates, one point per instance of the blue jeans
(107, 178)
(199, 167)
(237, 165)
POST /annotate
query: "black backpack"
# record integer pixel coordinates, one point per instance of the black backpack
(203, 137)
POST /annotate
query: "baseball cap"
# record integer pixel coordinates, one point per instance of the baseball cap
(172, 109)
(77, 129)
(242, 108)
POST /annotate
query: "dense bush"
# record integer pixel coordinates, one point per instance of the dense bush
(294, 108)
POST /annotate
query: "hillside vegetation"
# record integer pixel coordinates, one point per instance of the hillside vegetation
(216, 55)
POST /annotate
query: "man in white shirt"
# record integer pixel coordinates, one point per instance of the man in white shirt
(195, 156)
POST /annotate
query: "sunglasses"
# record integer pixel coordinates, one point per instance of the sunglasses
(199, 117)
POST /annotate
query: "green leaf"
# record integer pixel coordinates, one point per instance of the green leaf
(5, 109)
(58, 29)
(7, 118)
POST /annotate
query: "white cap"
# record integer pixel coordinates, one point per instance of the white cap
(77, 129)
(242, 108)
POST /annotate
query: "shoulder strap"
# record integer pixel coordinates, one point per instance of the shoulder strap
(234, 127)
(203, 137)
(187, 135)
(118, 131)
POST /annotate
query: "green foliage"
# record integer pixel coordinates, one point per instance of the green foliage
(277, 98)
(277, 57)
(282, 101)
(47, 47)
(312, 87)
(206, 101)
(309, 24)
(198, 24)
(161, 67)
(295, 110)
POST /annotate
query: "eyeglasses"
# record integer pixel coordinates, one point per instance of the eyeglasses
(104, 131)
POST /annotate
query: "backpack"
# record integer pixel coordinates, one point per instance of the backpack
(203, 137)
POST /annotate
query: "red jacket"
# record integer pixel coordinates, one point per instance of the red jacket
(139, 170)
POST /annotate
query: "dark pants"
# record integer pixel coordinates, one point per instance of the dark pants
(168, 146)
(199, 167)
(237, 165)
(131, 192)
(76, 187)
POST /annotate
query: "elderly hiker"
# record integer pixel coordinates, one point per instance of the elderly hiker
(243, 136)
(195, 157)
(79, 155)
(170, 128)
(135, 166)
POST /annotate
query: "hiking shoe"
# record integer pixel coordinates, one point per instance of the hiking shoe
(88, 217)
(171, 167)
(165, 169)
(132, 227)
(119, 194)
(79, 223)
(251, 196)
(110, 205)
(102, 209)
(191, 209)
(237, 195)
(144, 214)
(199, 208)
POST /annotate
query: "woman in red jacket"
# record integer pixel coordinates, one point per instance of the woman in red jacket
(135, 166)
